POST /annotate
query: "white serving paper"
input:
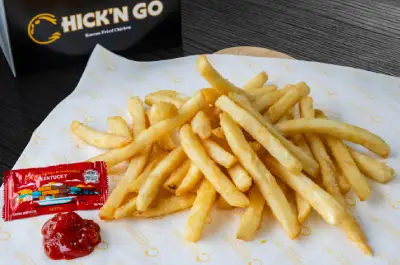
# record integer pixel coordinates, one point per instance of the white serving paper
(366, 99)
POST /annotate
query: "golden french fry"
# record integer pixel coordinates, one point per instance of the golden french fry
(303, 208)
(342, 181)
(218, 132)
(371, 167)
(200, 210)
(337, 129)
(257, 81)
(167, 206)
(256, 146)
(286, 117)
(320, 200)
(222, 204)
(96, 138)
(152, 134)
(177, 176)
(276, 111)
(240, 177)
(251, 219)
(189, 183)
(138, 114)
(215, 79)
(259, 92)
(300, 141)
(210, 95)
(155, 180)
(117, 125)
(126, 209)
(161, 111)
(137, 183)
(310, 166)
(201, 125)
(158, 97)
(306, 108)
(196, 152)
(260, 133)
(265, 182)
(266, 101)
(218, 154)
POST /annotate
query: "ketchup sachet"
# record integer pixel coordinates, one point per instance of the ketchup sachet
(48, 190)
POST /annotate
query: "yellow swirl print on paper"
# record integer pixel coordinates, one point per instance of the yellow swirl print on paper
(24, 259)
(305, 231)
(386, 226)
(149, 251)
(340, 258)
(202, 257)
(290, 253)
(4, 235)
(396, 205)
(102, 246)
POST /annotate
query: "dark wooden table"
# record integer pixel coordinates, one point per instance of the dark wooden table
(359, 33)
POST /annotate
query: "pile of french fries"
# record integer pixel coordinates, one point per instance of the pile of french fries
(251, 147)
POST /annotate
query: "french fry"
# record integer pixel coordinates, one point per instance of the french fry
(171, 97)
(303, 209)
(257, 81)
(371, 167)
(266, 101)
(251, 219)
(310, 166)
(240, 177)
(332, 212)
(167, 206)
(347, 165)
(215, 79)
(342, 181)
(210, 95)
(200, 210)
(218, 154)
(137, 183)
(256, 146)
(196, 152)
(153, 133)
(177, 176)
(218, 132)
(96, 138)
(192, 178)
(337, 129)
(260, 133)
(287, 101)
(201, 125)
(138, 114)
(259, 92)
(156, 178)
(126, 209)
(117, 125)
(222, 204)
(265, 182)
(301, 142)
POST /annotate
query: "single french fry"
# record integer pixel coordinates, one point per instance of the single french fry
(286, 117)
(260, 133)
(347, 165)
(192, 178)
(155, 180)
(371, 167)
(218, 132)
(167, 206)
(306, 108)
(117, 125)
(196, 152)
(301, 142)
(200, 210)
(201, 125)
(210, 95)
(96, 138)
(240, 177)
(126, 209)
(303, 209)
(332, 212)
(218, 154)
(138, 114)
(251, 219)
(177, 176)
(222, 204)
(265, 182)
(257, 81)
(276, 111)
(341, 180)
(137, 183)
(158, 97)
(341, 130)
(153, 133)
(266, 101)
(259, 92)
(215, 79)
(310, 166)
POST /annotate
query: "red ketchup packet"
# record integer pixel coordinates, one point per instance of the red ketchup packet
(48, 190)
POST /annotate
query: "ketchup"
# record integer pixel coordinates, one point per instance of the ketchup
(69, 236)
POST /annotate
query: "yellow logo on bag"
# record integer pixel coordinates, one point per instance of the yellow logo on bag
(34, 26)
